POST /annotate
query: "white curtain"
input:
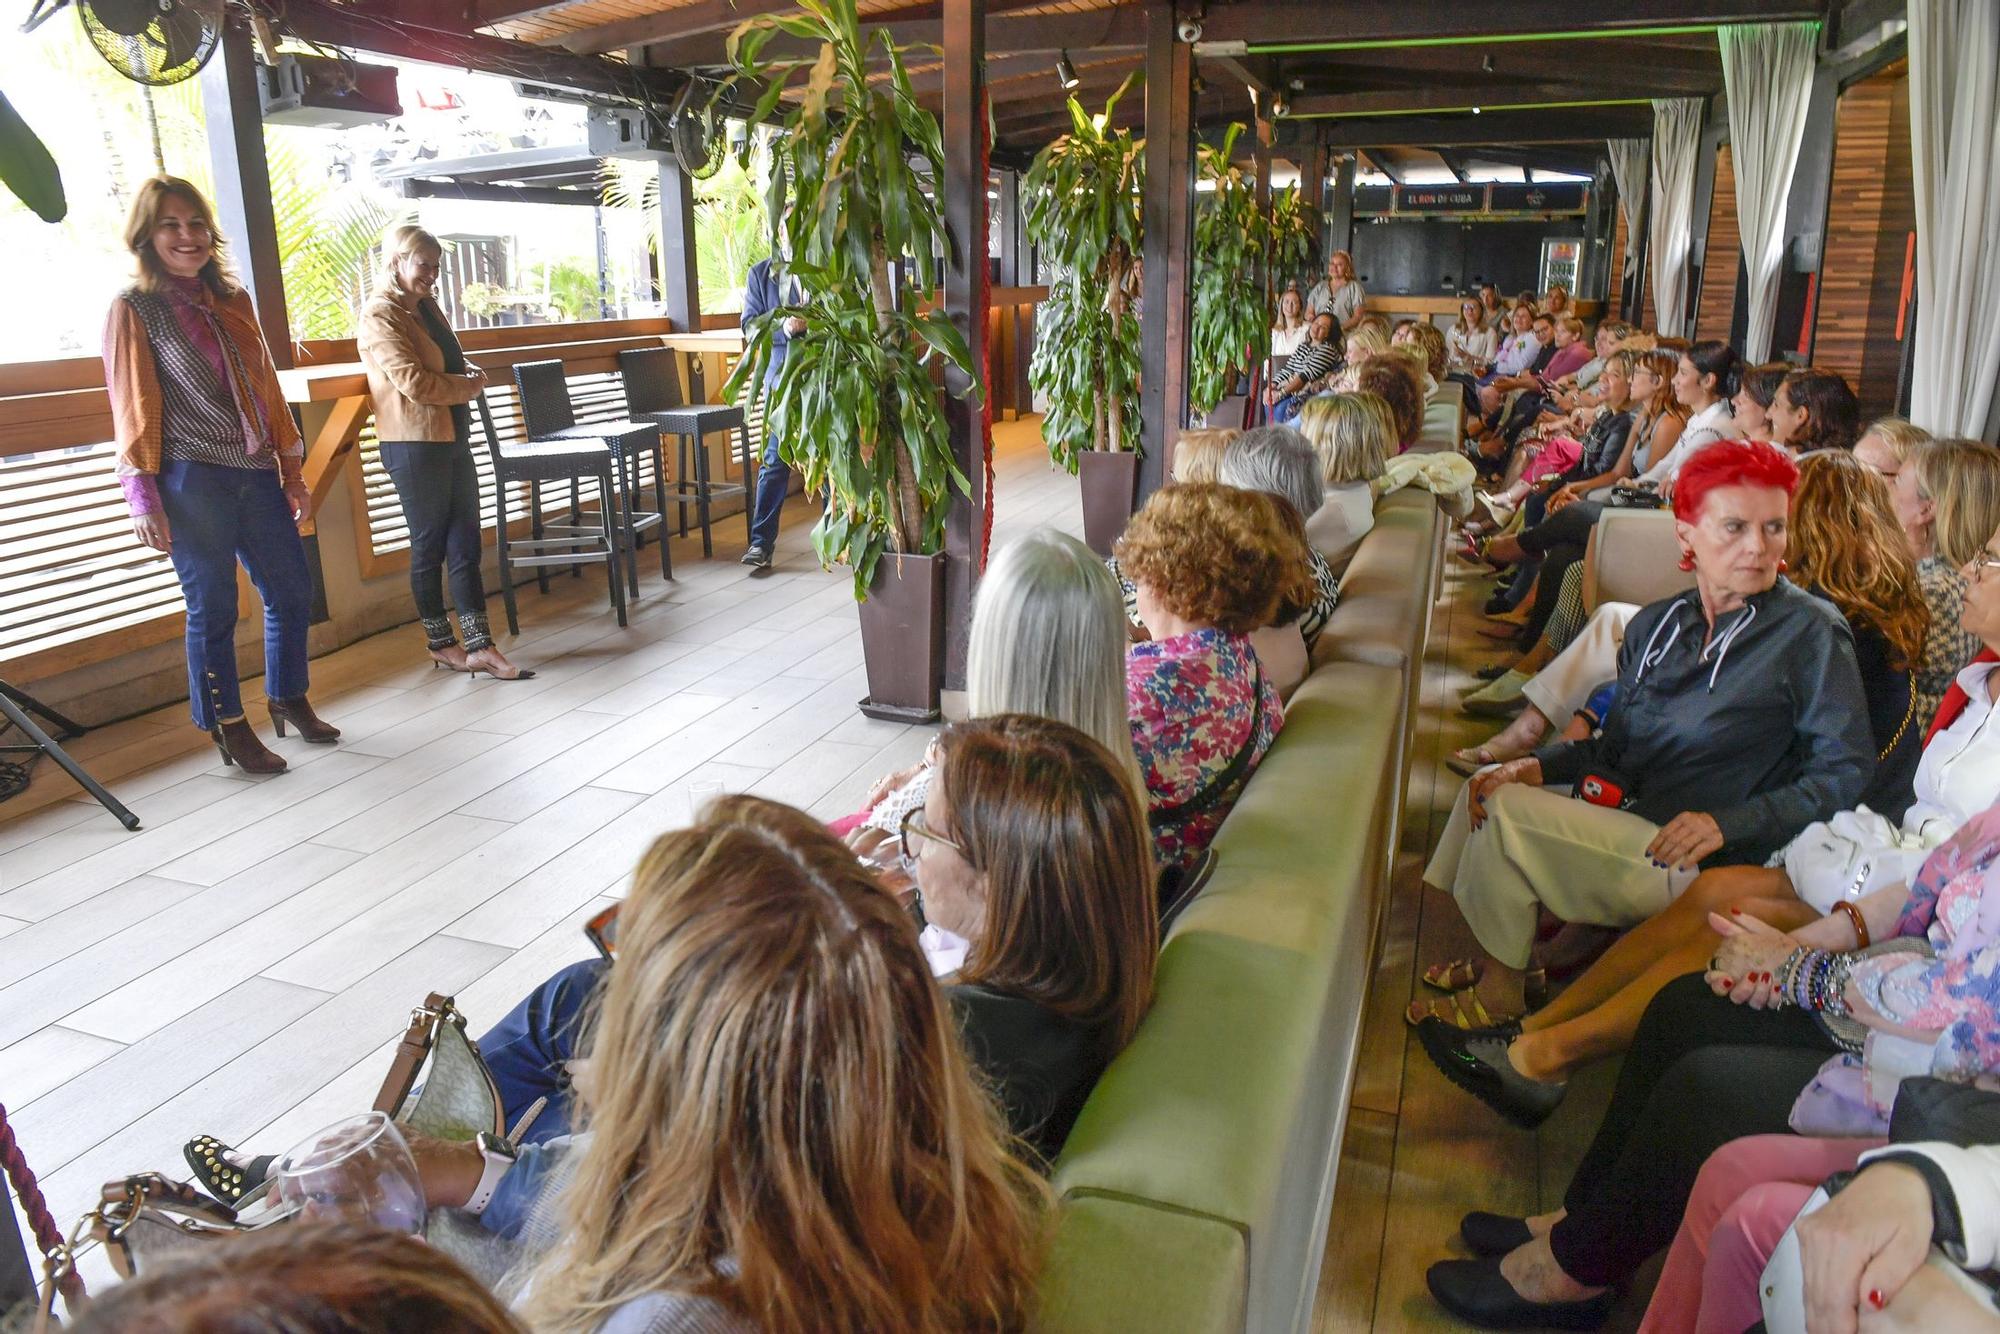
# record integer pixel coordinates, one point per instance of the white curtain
(1676, 138)
(1628, 168)
(1767, 70)
(1955, 157)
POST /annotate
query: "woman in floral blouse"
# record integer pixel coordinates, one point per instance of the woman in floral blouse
(1211, 563)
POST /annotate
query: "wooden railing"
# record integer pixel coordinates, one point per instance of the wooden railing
(77, 588)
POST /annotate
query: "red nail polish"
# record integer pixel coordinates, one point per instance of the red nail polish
(1728, 982)
(1735, 912)
(1875, 1298)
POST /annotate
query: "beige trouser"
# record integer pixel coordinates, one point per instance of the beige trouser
(1591, 659)
(1540, 847)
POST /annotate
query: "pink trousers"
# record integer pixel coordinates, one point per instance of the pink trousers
(1558, 455)
(1747, 1195)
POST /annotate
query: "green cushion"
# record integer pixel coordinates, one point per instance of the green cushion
(1226, 1107)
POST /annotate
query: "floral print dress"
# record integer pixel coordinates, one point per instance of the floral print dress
(1955, 904)
(1198, 702)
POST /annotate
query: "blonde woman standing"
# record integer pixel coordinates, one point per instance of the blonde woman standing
(422, 388)
(210, 461)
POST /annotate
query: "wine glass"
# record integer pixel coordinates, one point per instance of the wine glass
(360, 1169)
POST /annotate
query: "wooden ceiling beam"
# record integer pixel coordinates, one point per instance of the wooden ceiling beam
(1327, 105)
(1568, 125)
(1461, 66)
(1302, 21)
(1383, 163)
(694, 35)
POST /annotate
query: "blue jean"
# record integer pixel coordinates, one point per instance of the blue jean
(439, 488)
(774, 479)
(219, 515)
(1287, 408)
(529, 1050)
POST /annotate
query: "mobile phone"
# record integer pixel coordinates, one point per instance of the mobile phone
(602, 931)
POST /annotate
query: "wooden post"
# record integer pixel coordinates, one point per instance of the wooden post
(1019, 325)
(964, 191)
(235, 115)
(1340, 208)
(680, 276)
(1169, 222)
(1265, 278)
(1312, 176)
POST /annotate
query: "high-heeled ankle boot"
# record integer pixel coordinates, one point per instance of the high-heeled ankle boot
(239, 745)
(299, 713)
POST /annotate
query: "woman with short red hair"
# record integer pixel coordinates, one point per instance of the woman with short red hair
(1739, 718)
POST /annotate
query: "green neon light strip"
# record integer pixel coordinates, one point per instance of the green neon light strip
(1469, 107)
(1389, 43)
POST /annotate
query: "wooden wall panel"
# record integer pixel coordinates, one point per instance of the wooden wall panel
(1870, 221)
(1723, 259)
(1643, 317)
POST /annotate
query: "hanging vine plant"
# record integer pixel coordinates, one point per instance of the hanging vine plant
(1083, 212)
(856, 408)
(1229, 315)
(1295, 227)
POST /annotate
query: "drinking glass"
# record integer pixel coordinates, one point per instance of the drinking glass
(359, 1169)
(700, 793)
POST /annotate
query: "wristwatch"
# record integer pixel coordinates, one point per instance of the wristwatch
(499, 1158)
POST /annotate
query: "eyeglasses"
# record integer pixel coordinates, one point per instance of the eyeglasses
(913, 822)
(1983, 562)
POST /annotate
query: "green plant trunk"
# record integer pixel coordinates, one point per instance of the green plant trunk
(1115, 303)
(909, 508)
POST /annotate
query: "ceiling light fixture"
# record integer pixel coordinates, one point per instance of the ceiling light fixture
(1066, 73)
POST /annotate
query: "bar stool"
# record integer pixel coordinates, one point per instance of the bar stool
(653, 393)
(535, 462)
(547, 417)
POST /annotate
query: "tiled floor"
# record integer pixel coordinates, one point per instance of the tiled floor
(244, 964)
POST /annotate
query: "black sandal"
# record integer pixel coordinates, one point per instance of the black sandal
(208, 1158)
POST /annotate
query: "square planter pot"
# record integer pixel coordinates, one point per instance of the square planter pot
(1110, 482)
(902, 639)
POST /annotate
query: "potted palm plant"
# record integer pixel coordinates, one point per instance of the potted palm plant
(1295, 225)
(856, 407)
(1229, 314)
(1083, 212)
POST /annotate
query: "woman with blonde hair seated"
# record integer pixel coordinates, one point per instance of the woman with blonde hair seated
(1210, 564)
(1198, 454)
(781, 1131)
(1353, 435)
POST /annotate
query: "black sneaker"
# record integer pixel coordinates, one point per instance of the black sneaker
(757, 558)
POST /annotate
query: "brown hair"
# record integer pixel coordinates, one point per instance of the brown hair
(1661, 365)
(1963, 477)
(153, 195)
(1833, 414)
(793, 1130)
(1431, 339)
(303, 1278)
(1395, 383)
(1216, 555)
(1846, 545)
(1052, 822)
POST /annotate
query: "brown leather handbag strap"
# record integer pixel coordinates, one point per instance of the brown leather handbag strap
(411, 1053)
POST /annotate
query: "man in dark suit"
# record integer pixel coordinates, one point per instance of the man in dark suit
(761, 295)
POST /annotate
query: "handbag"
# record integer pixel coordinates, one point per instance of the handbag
(1844, 1099)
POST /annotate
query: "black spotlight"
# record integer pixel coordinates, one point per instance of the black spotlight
(1066, 73)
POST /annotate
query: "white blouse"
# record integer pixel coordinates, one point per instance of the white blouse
(1470, 348)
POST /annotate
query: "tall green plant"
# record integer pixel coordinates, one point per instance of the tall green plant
(1295, 228)
(327, 236)
(1083, 211)
(1229, 314)
(856, 407)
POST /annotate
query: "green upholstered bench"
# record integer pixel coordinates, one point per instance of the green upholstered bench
(1197, 1184)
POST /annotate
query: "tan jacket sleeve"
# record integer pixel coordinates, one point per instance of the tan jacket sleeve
(384, 340)
(132, 382)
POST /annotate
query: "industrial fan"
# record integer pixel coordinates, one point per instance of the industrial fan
(154, 42)
(695, 132)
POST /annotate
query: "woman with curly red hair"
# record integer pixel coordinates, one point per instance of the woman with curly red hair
(1740, 718)
(1211, 564)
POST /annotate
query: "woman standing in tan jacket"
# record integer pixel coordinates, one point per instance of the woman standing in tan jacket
(422, 386)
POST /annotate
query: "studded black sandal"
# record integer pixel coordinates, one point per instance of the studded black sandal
(222, 1173)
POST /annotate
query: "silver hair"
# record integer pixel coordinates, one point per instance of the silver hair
(1279, 460)
(1048, 638)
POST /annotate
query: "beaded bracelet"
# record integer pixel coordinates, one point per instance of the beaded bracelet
(1781, 991)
